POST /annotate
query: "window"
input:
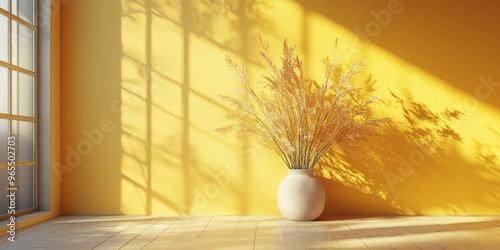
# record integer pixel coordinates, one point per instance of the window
(18, 104)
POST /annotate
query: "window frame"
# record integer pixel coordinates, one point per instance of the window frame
(10, 117)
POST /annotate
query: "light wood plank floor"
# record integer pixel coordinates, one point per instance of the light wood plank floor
(260, 232)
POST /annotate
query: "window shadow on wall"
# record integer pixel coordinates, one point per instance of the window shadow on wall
(168, 144)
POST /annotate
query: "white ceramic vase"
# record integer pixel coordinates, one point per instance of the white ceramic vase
(301, 196)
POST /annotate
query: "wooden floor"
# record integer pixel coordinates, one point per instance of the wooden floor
(260, 232)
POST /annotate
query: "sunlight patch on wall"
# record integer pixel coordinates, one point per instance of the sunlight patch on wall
(393, 74)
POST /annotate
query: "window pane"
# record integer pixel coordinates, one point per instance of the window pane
(4, 4)
(14, 103)
(23, 94)
(14, 59)
(4, 38)
(4, 90)
(4, 133)
(25, 134)
(14, 7)
(23, 44)
(25, 182)
(26, 10)
(3, 191)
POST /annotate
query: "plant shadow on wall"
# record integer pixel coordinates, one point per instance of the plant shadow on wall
(438, 169)
(163, 167)
(411, 168)
(406, 166)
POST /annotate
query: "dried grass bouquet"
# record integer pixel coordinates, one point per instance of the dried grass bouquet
(297, 117)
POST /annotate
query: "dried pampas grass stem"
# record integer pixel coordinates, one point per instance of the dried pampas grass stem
(297, 117)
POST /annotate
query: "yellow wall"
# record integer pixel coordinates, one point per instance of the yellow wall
(140, 90)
